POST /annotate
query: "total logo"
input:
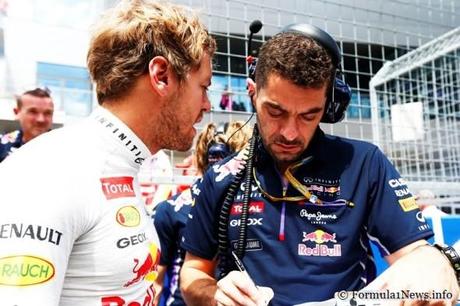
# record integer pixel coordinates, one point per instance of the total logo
(117, 187)
(254, 208)
(250, 221)
(320, 238)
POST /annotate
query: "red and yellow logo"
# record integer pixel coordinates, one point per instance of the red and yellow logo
(128, 216)
(408, 204)
(25, 270)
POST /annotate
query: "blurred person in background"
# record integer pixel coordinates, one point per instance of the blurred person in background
(156, 168)
(226, 99)
(34, 112)
(426, 201)
(171, 216)
(74, 230)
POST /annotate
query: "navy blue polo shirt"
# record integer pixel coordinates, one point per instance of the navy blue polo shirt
(306, 252)
(170, 218)
(10, 142)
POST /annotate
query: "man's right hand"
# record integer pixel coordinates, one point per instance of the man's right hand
(237, 289)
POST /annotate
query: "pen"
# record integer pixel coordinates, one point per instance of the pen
(240, 266)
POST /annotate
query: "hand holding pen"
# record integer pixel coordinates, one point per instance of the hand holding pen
(238, 288)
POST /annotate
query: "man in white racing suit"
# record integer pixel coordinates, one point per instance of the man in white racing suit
(73, 227)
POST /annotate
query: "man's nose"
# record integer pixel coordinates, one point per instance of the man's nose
(40, 117)
(290, 129)
(207, 104)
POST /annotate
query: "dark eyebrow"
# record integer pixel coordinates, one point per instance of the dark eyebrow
(314, 110)
(274, 105)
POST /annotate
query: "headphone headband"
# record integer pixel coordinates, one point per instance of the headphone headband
(318, 35)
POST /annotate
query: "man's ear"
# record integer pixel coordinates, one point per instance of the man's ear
(252, 90)
(159, 75)
(16, 110)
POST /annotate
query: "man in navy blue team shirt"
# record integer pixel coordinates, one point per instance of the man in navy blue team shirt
(34, 112)
(316, 202)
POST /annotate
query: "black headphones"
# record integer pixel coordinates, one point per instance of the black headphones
(339, 96)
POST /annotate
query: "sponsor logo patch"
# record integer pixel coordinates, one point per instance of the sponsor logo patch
(230, 167)
(250, 222)
(318, 217)
(128, 216)
(146, 269)
(254, 208)
(131, 240)
(25, 270)
(30, 231)
(320, 239)
(117, 187)
(408, 204)
(399, 187)
(251, 244)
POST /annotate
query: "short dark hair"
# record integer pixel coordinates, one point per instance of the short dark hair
(295, 57)
(37, 92)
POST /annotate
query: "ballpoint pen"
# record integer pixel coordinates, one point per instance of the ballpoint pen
(239, 264)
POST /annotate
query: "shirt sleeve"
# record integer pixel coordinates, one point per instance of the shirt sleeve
(37, 231)
(200, 235)
(164, 224)
(394, 219)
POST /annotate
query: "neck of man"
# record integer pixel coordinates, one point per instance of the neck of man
(137, 109)
(26, 137)
(282, 166)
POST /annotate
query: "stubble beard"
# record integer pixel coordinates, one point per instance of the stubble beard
(169, 126)
(281, 161)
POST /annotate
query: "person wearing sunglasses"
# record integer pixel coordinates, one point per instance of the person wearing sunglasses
(73, 228)
(170, 216)
(296, 212)
(34, 112)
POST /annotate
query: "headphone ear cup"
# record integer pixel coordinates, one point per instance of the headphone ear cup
(338, 99)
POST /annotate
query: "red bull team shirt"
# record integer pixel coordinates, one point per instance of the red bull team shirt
(170, 218)
(308, 251)
(73, 227)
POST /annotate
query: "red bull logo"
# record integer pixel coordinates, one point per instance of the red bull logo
(320, 250)
(231, 167)
(148, 269)
(116, 300)
(319, 236)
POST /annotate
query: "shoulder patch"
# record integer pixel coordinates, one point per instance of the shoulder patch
(9, 137)
(25, 270)
(232, 166)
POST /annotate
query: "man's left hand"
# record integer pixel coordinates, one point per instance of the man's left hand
(424, 270)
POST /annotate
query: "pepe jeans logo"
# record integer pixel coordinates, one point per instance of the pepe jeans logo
(318, 217)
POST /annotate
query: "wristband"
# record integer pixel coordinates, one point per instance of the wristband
(453, 257)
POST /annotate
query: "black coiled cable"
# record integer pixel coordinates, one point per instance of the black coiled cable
(241, 247)
(225, 260)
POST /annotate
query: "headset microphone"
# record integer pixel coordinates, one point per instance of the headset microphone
(254, 28)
